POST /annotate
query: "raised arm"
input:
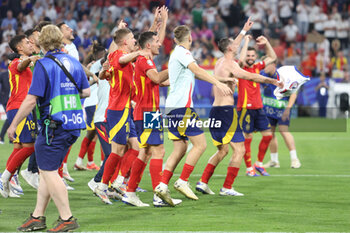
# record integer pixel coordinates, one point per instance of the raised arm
(113, 47)
(154, 25)
(270, 53)
(164, 19)
(244, 50)
(247, 26)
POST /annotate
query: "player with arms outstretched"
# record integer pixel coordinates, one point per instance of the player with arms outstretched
(230, 132)
(250, 107)
(179, 107)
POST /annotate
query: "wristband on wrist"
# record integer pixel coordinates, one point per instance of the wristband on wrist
(243, 32)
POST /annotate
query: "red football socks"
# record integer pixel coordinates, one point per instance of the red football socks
(129, 158)
(186, 172)
(11, 156)
(110, 166)
(155, 169)
(60, 171)
(230, 177)
(66, 158)
(18, 158)
(166, 177)
(136, 174)
(207, 173)
(247, 155)
(264, 144)
(84, 147)
(91, 151)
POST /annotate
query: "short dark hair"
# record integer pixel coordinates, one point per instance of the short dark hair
(15, 41)
(251, 49)
(146, 37)
(120, 34)
(30, 32)
(59, 25)
(223, 44)
(41, 24)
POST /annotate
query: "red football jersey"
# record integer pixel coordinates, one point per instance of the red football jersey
(147, 92)
(248, 91)
(19, 84)
(121, 79)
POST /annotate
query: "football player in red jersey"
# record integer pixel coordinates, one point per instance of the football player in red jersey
(250, 107)
(120, 76)
(20, 77)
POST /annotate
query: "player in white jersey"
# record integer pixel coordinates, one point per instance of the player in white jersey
(100, 125)
(90, 105)
(179, 108)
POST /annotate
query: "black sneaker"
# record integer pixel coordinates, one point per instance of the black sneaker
(33, 224)
(65, 225)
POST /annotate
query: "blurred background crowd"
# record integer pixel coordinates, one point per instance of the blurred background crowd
(310, 34)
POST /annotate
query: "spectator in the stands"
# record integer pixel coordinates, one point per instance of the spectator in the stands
(291, 31)
(9, 20)
(197, 13)
(51, 12)
(339, 65)
(285, 10)
(257, 18)
(220, 29)
(303, 11)
(322, 62)
(330, 28)
(210, 13)
(70, 21)
(343, 28)
(320, 19)
(224, 9)
(236, 13)
(322, 95)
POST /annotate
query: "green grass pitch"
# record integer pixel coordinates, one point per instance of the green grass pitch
(314, 198)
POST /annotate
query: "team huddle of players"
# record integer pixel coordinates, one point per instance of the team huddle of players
(128, 86)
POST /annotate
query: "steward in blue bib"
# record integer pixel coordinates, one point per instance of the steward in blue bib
(59, 99)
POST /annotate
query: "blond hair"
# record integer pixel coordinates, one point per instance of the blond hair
(180, 32)
(120, 34)
(51, 38)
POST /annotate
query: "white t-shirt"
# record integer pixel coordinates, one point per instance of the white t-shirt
(321, 17)
(72, 50)
(257, 18)
(303, 13)
(92, 99)
(181, 79)
(103, 97)
(291, 32)
(331, 24)
(210, 14)
(224, 6)
(286, 8)
(292, 80)
(341, 33)
(314, 11)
